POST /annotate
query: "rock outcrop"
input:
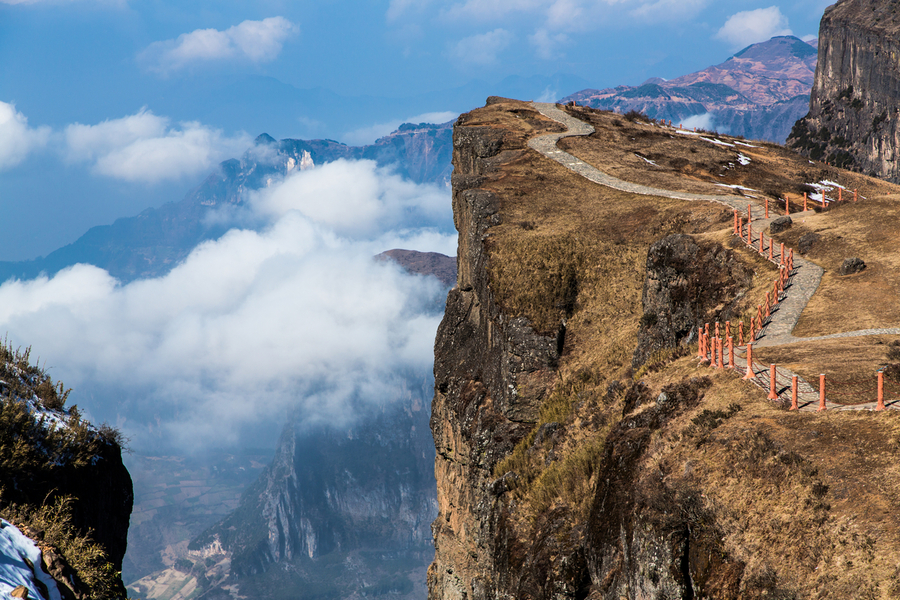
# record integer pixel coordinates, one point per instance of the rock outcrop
(855, 101)
(687, 284)
(62, 480)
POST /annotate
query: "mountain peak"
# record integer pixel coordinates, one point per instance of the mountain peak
(264, 139)
(779, 47)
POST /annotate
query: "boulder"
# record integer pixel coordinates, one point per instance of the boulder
(851, 266)
(780, 224)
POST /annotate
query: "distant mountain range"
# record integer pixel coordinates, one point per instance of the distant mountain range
(759, 93)
(153, 242)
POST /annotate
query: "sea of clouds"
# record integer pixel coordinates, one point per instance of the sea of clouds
(286, 312)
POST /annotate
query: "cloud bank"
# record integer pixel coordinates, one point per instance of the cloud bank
(292, 313)
(753, 26)
(17, 139)
(145, 148)
(253, 41)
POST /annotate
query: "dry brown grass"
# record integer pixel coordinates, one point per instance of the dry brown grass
(804, 499)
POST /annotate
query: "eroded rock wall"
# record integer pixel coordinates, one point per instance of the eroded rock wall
(855, 101)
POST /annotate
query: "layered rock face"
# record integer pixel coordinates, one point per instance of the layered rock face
(855, 101)
(341, 510)
(482, 360)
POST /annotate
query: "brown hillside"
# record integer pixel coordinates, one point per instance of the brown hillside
(675, 480)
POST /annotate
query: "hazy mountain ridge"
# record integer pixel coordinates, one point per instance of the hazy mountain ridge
(758, 93)
(156, 240)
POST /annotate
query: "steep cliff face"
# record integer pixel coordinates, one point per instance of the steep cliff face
(855, 101)
(339, 511)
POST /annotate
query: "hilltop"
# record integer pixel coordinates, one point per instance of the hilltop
(571, 465)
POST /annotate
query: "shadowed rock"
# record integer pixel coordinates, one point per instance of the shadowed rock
(851, 266)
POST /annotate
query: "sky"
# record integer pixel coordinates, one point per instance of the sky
(108, 107)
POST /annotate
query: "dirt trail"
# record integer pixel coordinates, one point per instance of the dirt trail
(803, 283)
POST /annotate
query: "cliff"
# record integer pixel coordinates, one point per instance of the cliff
(569, 466)
(758, 93)
(343, 511)
(63, 481)
(852, 120)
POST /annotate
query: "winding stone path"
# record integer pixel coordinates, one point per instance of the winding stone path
(803, 283)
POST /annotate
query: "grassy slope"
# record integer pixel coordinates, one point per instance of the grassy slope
(802, 499)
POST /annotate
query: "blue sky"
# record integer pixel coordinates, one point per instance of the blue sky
(202, 78)
(108, 107)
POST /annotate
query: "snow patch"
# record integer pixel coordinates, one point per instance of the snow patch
(744, 160)
(646, 160)
(686, 132)
(736, 187)
(746, 145)
(15, 550)
(717, 142)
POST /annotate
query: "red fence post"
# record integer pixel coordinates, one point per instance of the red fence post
(855, 196)
(730, 352)
(840, 194)
(804, 202)
(749, 374)
(749, 212)
(821, 392)
(794, 405)
(721, 349)
(767, 208)
(880, 405)
(773, 395)
(770, 249)
(787, 206)
(700, 352)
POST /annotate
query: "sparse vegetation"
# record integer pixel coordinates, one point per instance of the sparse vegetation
(41, 438)
(88, 559)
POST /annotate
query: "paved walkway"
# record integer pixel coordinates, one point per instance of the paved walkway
(803, 282)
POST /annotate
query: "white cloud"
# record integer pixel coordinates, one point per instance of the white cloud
(753, 26)
(399, 8)
(482, 49)
(144, 147)
(665, 10)
(546, 45)
(256, 41)
(17, 139)
(705, 121)
(367, 135)
(571, 15)
(255, 323)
